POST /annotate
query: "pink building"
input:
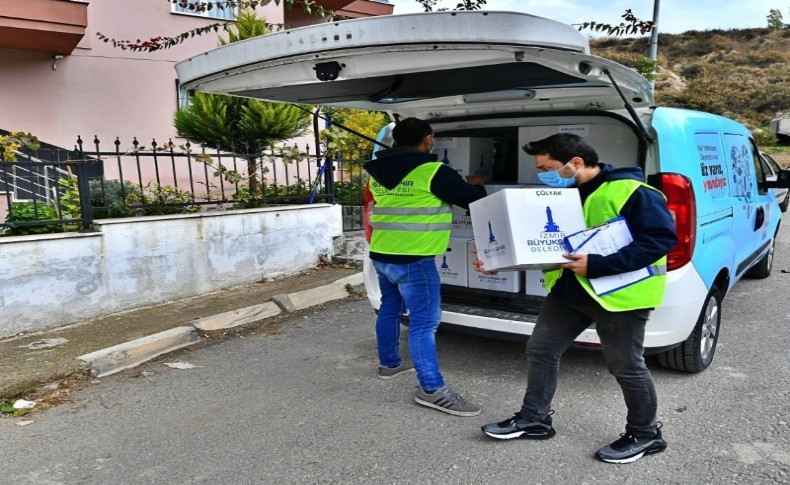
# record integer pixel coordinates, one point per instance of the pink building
(59, 80)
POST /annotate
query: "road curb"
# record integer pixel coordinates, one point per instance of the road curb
(114, 359)
(238, 317)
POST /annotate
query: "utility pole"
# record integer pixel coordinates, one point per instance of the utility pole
(654, 39)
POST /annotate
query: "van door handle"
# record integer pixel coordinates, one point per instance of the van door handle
(759, 218)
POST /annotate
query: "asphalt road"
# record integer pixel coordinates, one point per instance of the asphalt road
(303, 405)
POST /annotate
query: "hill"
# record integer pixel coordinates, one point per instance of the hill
(742, 74)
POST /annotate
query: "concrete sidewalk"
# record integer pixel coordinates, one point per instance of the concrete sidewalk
(32, 364)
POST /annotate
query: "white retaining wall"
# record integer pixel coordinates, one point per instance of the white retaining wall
(55, 279)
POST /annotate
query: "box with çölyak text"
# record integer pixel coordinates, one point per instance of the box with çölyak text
(524, 228)
(509, 281)
(453, 265)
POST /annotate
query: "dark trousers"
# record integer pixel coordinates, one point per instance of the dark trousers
(622, 336)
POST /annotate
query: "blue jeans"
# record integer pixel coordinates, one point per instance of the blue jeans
(414, 287)
(622, 337)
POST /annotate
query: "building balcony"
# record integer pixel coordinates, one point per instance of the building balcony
(55, 26)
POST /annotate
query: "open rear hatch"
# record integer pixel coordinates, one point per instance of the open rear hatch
(431, 65)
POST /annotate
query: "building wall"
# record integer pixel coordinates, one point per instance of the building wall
(53, 280)
(100, 90)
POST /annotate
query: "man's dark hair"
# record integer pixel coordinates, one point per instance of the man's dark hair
(562, 147)
(410, 132)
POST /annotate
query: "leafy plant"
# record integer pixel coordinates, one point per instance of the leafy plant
(70, 198)
(239, 125)
(112, 196)
(157, 200)
(7, 406)
(22, 212)
(14, 141)
(348, 146)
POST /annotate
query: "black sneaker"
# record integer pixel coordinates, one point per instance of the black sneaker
(518, 427)
(630, 448)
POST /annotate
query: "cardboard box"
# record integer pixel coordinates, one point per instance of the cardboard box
(453, 265)
(468, 156)
(534, 282)
(523, 228)
(462, 221)
(510, 281)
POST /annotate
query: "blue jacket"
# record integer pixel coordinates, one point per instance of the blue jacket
(651, 224)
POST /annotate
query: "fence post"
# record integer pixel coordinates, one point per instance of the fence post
(83, 188)
(329, 179)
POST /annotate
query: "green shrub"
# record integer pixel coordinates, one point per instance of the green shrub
(34, 212)
(156, 199)
(108, 194)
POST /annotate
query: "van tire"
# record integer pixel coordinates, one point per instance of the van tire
(696, 353)
(763, 267)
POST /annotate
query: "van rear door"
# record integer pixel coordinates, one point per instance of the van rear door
(751, 213)
(433, 65)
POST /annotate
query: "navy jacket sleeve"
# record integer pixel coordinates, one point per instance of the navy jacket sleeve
(450, 186)
(654, 235)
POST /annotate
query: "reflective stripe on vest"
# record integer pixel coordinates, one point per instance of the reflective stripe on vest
(602, 205)
(409, 219)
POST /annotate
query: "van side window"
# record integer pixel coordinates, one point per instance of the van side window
(712, 164)
(743, 170)
(761, 170)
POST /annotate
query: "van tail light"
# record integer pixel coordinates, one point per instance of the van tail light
(681, 203)
(367, 208)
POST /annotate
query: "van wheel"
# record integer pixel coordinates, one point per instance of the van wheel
(783, 205)
(696, 353)
(763, 267)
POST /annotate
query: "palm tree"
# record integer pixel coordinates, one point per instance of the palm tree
(237, 124)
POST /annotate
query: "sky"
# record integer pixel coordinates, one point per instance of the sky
(675, 16)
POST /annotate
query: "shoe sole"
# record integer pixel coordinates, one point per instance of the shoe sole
(396, 375)
(656, 449)
(445, 410)
(522, 435)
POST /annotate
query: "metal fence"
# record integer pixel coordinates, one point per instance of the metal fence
(55, 190)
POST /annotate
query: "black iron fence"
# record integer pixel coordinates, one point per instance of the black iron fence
(55, 190)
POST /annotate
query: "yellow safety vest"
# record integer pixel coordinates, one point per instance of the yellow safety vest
(409, 219)
(603, 205)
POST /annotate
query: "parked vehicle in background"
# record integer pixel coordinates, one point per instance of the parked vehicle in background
(772, 169)
(489, 82)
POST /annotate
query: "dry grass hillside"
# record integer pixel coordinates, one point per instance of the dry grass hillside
(741, 74)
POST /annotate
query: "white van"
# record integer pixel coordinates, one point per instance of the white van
(508, 78)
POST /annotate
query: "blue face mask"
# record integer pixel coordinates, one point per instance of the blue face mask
(554, 179)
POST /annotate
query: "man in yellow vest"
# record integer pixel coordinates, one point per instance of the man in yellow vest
(411, 220)
(566, 160)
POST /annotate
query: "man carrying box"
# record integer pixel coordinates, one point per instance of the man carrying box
(412, 220)
(566, 160)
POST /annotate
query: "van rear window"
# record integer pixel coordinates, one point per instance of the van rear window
(712, 165)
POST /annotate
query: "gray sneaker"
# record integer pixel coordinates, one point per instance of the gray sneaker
(447, 401)
(390, 372)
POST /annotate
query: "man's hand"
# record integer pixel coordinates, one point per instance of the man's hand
(478, 265)
(578, 265)
(475, 180)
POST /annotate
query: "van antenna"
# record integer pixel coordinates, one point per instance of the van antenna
(629, 108)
